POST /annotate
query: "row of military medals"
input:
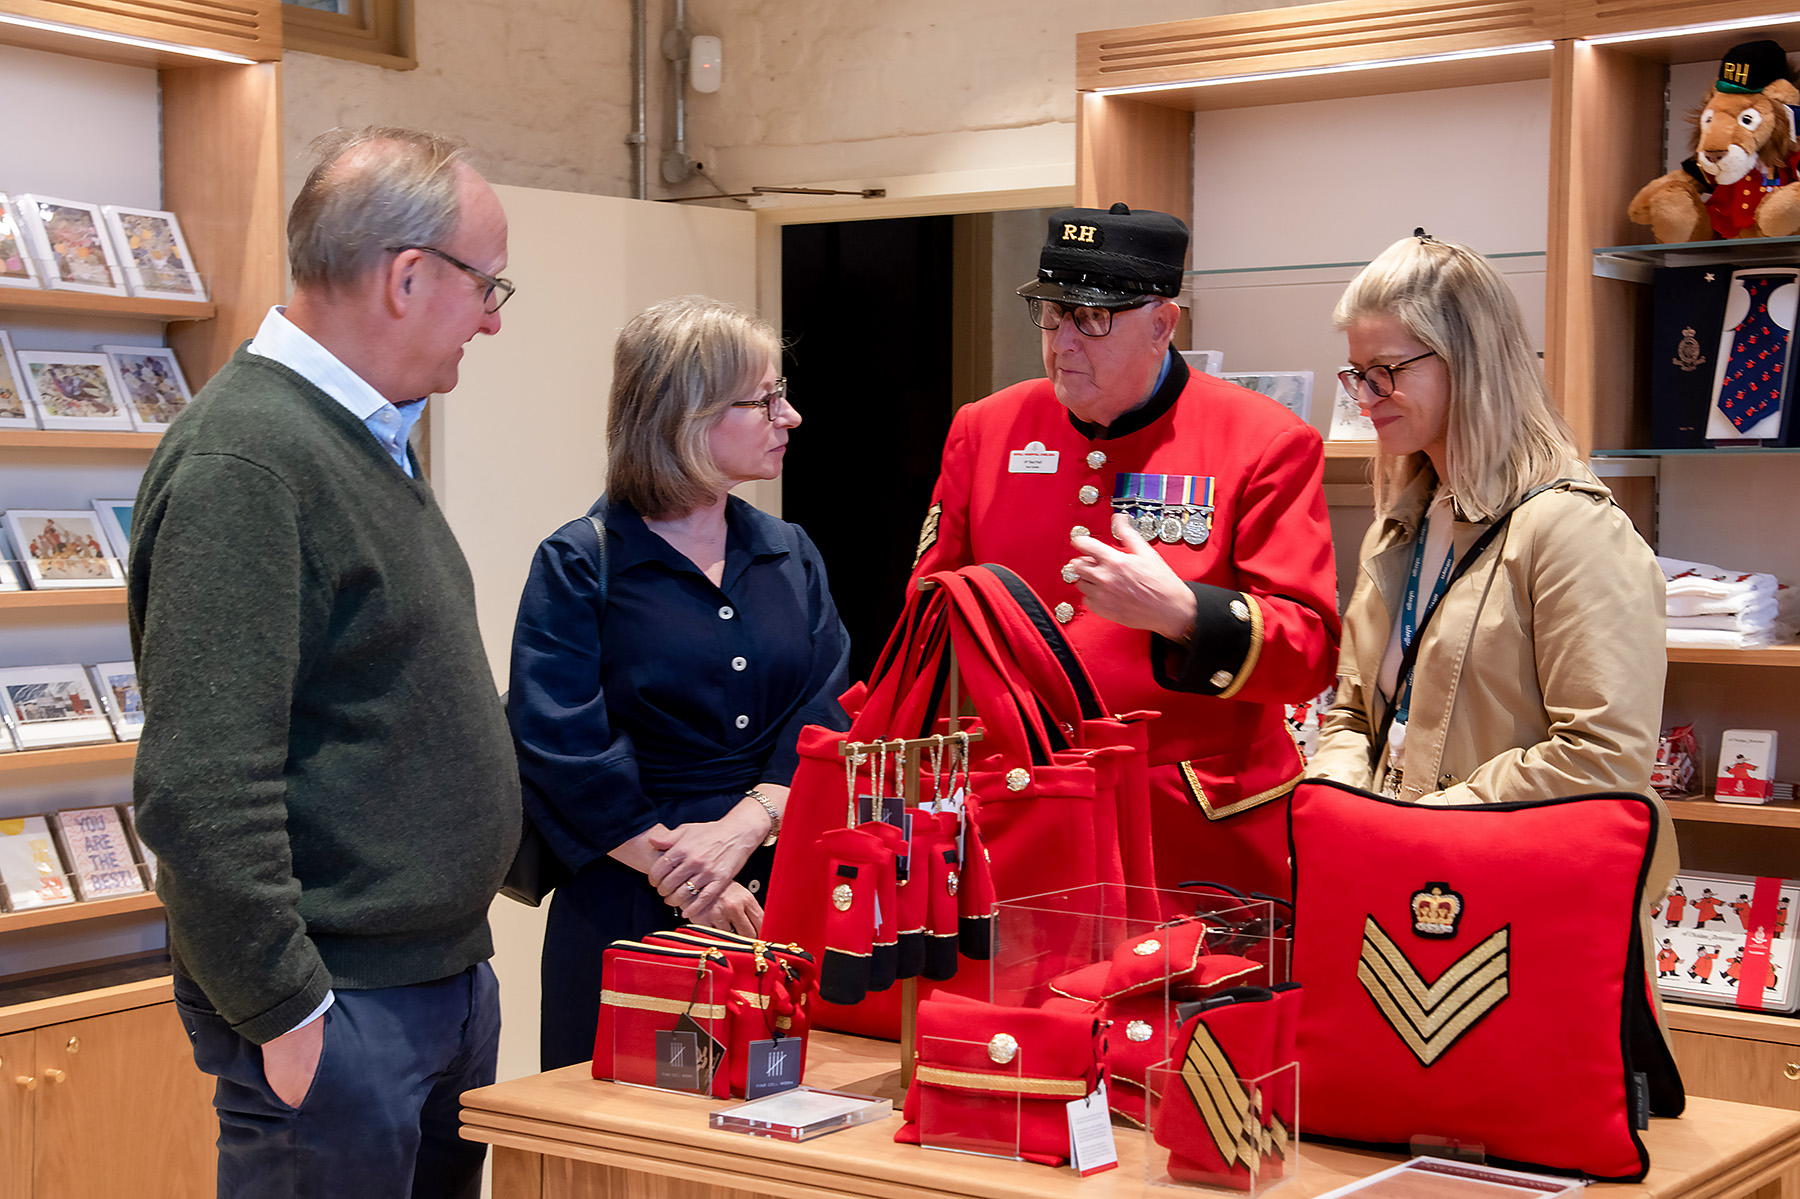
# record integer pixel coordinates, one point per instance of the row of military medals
(1166, 508)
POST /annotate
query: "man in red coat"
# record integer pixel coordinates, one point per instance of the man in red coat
(1174, 524)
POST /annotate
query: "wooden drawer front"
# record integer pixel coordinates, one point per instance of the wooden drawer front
(1742, 1071)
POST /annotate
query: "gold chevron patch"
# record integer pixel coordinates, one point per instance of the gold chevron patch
(1231, 1111)
(1431, 1017)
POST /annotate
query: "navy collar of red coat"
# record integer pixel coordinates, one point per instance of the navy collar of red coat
(1145, 414)
(635, 543)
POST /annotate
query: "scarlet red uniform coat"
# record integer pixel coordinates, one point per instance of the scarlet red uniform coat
(1221, 746)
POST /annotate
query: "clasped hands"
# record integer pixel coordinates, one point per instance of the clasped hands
(1130, 584)
(696, 865)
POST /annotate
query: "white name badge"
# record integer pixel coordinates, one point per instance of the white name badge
(1034, 459)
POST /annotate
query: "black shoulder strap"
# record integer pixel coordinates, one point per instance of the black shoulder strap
(600, 570)
(1411, 653)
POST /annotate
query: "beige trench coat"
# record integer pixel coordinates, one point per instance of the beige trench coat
(1540, 676)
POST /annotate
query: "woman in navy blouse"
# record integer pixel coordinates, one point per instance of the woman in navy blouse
(659, 687)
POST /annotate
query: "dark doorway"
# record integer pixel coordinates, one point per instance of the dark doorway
(867, 310)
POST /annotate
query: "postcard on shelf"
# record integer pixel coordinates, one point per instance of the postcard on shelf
(1746, 766)
(147, 858)
(116, 685)
(31, 871)
(1206, 362)
(155, 389)
(52, 705)
(15, 412)
(1291, 389)
(70, 240)
(9, 580)
(18, 265)
(1348, 421)
(98, 852)
(1442, 1179)
(115, 521)
(157, 262)
(73, 391)
(62, 547)
(1728, 940)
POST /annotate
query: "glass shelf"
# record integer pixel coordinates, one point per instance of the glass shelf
(1701, 451)
(1636, 263)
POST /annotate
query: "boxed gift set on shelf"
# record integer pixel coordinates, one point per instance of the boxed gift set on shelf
(1725, 940)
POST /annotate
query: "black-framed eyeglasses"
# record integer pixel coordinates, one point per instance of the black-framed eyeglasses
(1048, 315)
(770, 401)
(1379, 378)
(499, 290)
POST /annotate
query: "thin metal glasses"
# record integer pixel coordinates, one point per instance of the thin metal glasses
(1379, 378)
(499, 290)
(770, 401)
(1048, 315)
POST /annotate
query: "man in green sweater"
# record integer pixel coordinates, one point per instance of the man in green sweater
(325, 774)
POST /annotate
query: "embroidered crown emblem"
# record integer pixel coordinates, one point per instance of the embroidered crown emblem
(1436, 911)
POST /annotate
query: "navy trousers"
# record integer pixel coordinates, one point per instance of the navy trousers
(381, 1118)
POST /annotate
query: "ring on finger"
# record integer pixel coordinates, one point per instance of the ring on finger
(691, 888)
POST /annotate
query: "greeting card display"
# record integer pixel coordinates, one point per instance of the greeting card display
(31, 871)
(1291, 389)
(61, 548)
(9, 581)
(155, 389)
(117, 686)
(156, 258)
(1728, 940)
(69, 238)
(15, 413)
(1746, 766)
(73, 391)
(145, 856)
(98, 853)
(115, 521)
(1348, 421)
(17, 267)
(52, 705)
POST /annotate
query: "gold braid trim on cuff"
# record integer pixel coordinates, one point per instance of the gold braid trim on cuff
(659, 1003)
(1011, 1084)
(1256, 640)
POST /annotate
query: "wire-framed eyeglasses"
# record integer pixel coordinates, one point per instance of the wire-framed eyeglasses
(771, 401)
(1049, 315)
(1380, 379)
(499, 290)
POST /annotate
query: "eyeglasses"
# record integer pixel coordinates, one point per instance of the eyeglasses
(1094, 322)
(770, 401)
(499, 290)
(1379, 378)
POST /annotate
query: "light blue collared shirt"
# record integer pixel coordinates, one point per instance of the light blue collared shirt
(280, 339)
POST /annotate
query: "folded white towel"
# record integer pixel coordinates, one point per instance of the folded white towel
(1699, 579)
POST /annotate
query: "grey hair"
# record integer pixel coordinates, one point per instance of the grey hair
(371, 191)
(677, 368)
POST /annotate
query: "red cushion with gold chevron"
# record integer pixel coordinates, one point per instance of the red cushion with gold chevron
(1477, 973)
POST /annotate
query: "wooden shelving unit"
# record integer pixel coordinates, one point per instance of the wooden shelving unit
(77, 439)
(72, 913)
(68, 755)
(85, 601)
(1768, 655)
(66, 303)
(1769, 815)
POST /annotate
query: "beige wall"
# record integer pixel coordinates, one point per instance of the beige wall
(948, 95)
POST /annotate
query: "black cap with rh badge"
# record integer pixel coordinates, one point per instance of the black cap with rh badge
(1109, 258)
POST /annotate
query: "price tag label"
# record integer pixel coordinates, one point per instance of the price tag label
(1091, 1147)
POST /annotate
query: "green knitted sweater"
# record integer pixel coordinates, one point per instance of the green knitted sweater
(325, 775)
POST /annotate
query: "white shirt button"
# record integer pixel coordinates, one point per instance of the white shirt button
(389, 416)
(755, 886)
(739, 663)
(726, 613)
(743, 722)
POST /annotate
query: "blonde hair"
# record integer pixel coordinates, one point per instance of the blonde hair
(1505, 434)
(677, 367)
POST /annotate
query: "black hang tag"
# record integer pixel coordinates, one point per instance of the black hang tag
(677, 1061)
(711, 1051)
(774, 1066)
(1640, 1107)
(891, 810)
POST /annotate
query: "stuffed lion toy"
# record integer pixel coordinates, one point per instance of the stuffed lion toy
(1741, 180)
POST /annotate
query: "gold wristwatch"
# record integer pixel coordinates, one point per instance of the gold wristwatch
(773, 811)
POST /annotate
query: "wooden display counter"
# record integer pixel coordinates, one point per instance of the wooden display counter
(561, 1135)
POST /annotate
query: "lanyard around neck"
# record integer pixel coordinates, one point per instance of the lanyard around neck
(1410, 618)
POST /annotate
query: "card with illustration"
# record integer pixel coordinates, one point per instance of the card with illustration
(69, 238)
(116, 684)
(155, 389)
(115, 522)
(1291, 389)
(62, 547)
(18, 267)
(73, 391)
(1348, 421)
(1728, 940)
(156, 258)
(52, 705)
(31, 871)
(15, 412)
